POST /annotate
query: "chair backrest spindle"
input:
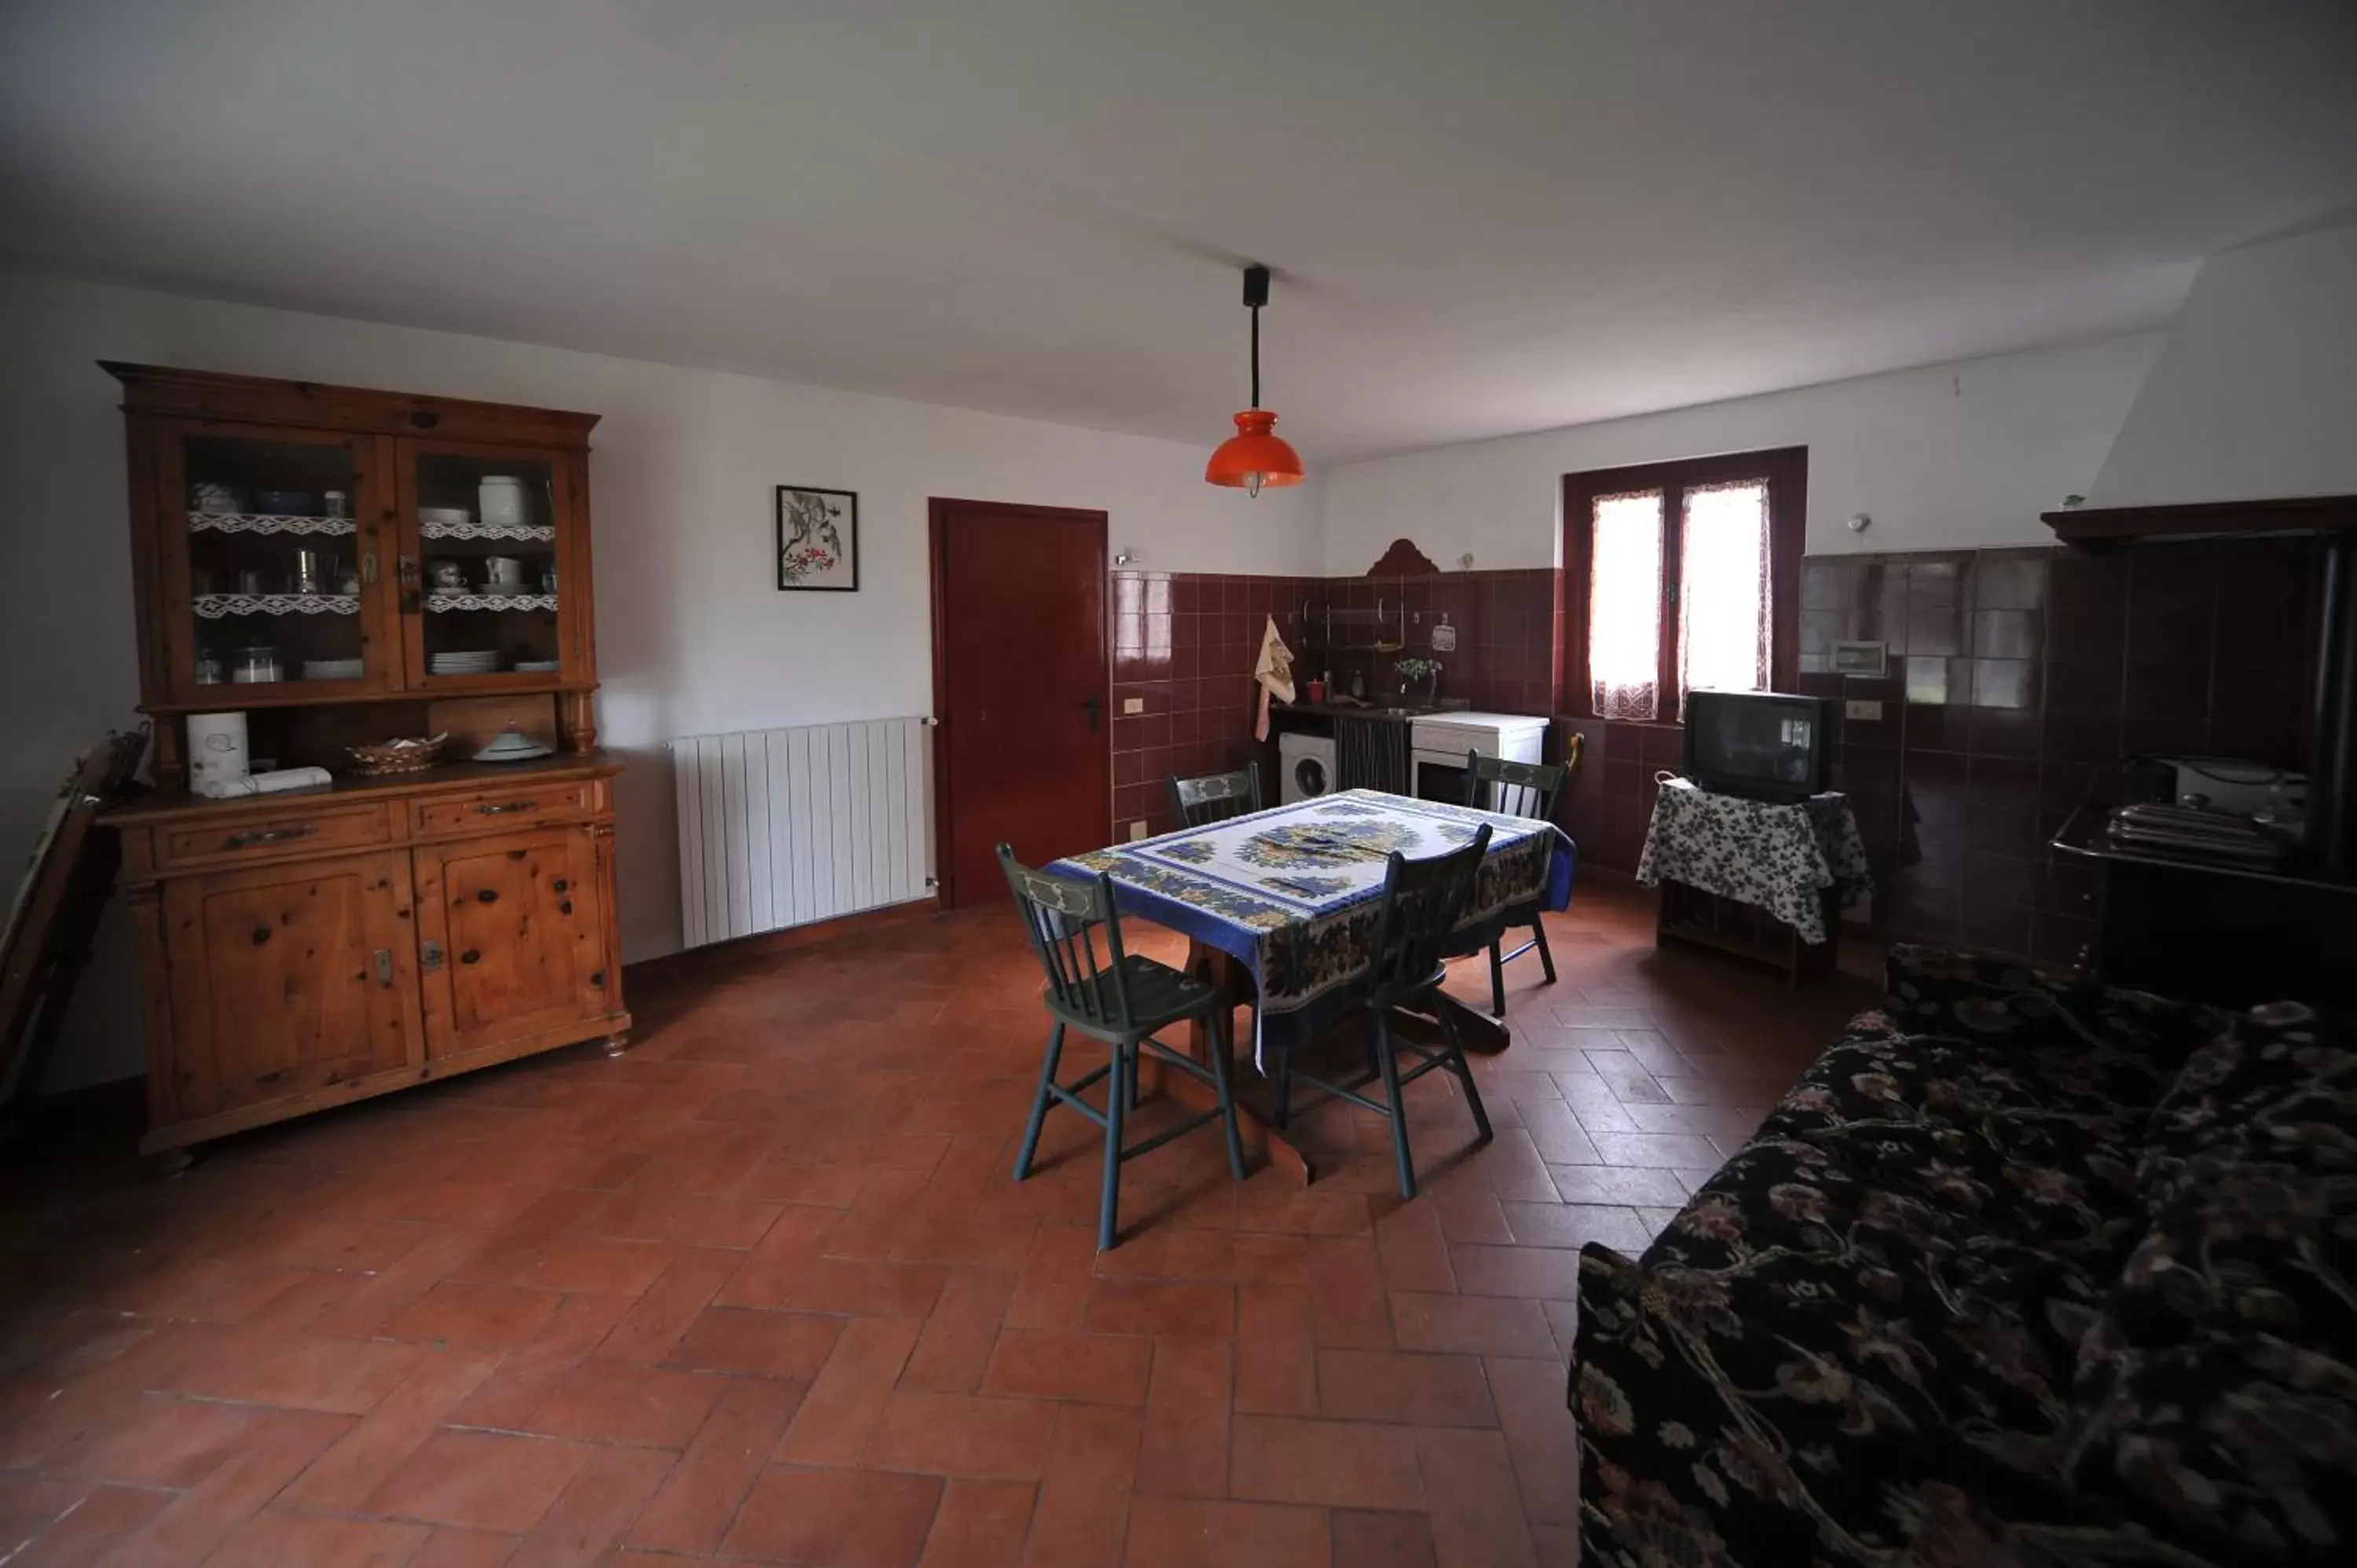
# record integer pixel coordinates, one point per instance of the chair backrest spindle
(1516, 788)
(1215, 797)
(1061, 915)
(1423, 902)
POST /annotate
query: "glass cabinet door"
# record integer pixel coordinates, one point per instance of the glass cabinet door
(484, 592)
(269, 565)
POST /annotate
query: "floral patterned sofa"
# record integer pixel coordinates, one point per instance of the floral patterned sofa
(2023, 1271)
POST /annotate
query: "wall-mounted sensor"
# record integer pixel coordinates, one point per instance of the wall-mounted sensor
(1858, 522)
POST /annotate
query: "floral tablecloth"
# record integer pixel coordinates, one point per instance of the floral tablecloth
(1778, 856)
(1293, 893)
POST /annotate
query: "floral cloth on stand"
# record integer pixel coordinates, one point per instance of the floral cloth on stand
(1779, 857)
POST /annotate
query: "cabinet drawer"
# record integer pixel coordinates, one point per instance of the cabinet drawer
(518, 808)
(314, 832)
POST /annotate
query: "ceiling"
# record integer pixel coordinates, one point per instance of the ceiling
(1487, 218)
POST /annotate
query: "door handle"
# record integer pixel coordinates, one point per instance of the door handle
(1095, 705)
(405, 569)
(269, 836)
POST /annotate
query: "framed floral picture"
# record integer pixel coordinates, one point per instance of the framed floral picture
(818, 539)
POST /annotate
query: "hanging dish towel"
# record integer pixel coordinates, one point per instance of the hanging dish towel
(1275, 673)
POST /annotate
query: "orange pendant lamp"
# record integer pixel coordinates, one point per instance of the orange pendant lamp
(1255, 455)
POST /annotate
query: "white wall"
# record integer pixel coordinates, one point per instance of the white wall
(1947, 456)
(2256, 394)
(692, 636)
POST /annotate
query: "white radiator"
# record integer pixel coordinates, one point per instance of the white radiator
(781, 827)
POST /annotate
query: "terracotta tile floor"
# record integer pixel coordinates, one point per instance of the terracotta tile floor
(763, 1290)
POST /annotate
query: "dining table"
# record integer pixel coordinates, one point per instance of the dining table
(1280, 908)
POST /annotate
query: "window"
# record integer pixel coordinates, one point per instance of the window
(1681, 577)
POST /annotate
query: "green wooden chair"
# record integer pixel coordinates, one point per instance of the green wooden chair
(1517, 789)
(1422, 901)
(1121, 999)
(1216, 797)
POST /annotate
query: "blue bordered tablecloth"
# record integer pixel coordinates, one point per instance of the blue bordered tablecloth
(1293, 893)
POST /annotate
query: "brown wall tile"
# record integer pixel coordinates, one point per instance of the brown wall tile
(2027, 675)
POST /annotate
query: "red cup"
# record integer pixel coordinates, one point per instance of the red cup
(1317, 690)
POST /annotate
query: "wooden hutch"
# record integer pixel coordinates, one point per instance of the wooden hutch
(307, 949)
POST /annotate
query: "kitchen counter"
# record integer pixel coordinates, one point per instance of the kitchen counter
(1399, 715)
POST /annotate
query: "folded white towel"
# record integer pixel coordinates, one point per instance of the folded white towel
(276, 783)
(1275, 673)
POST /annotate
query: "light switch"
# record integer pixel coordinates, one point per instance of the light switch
(1133, 705)
(1866, 709)
(1137, 830)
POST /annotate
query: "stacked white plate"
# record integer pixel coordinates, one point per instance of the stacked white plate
(539, 666)
(333, 669)
(478, 661)
(445, 515)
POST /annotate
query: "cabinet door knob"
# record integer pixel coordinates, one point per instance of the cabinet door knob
(560, 885)
(564, 907)
(470, 956)
(487, 896)
(597, 979)
(261, 935)
(269, 836)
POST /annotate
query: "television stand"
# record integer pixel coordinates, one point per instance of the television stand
(1697, 916)
(1761, 879)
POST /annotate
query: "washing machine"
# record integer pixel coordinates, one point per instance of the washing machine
(1307, 763)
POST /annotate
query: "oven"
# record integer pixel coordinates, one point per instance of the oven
(1435, 775)
(1439, 743)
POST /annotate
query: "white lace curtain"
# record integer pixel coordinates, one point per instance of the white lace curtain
(1723, 626)
(1624, 606)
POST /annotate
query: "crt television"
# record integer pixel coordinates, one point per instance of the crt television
(1767, 745)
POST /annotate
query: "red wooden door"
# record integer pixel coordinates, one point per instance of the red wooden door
(1025, 752)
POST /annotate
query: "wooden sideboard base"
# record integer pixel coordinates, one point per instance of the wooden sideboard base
(601, 1032)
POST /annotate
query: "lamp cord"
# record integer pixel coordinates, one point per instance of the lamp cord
(1255, 356)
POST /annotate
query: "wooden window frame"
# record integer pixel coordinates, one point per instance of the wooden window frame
(1786, 470)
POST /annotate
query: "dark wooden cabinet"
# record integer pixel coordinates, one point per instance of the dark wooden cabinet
(305, 950)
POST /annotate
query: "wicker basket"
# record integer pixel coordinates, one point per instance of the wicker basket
(398, 756)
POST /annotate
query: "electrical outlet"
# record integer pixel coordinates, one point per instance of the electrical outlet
(1859, 708)
(1133, 706)
(1137, 830)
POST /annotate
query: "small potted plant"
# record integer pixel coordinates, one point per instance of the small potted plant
(1414, 670)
